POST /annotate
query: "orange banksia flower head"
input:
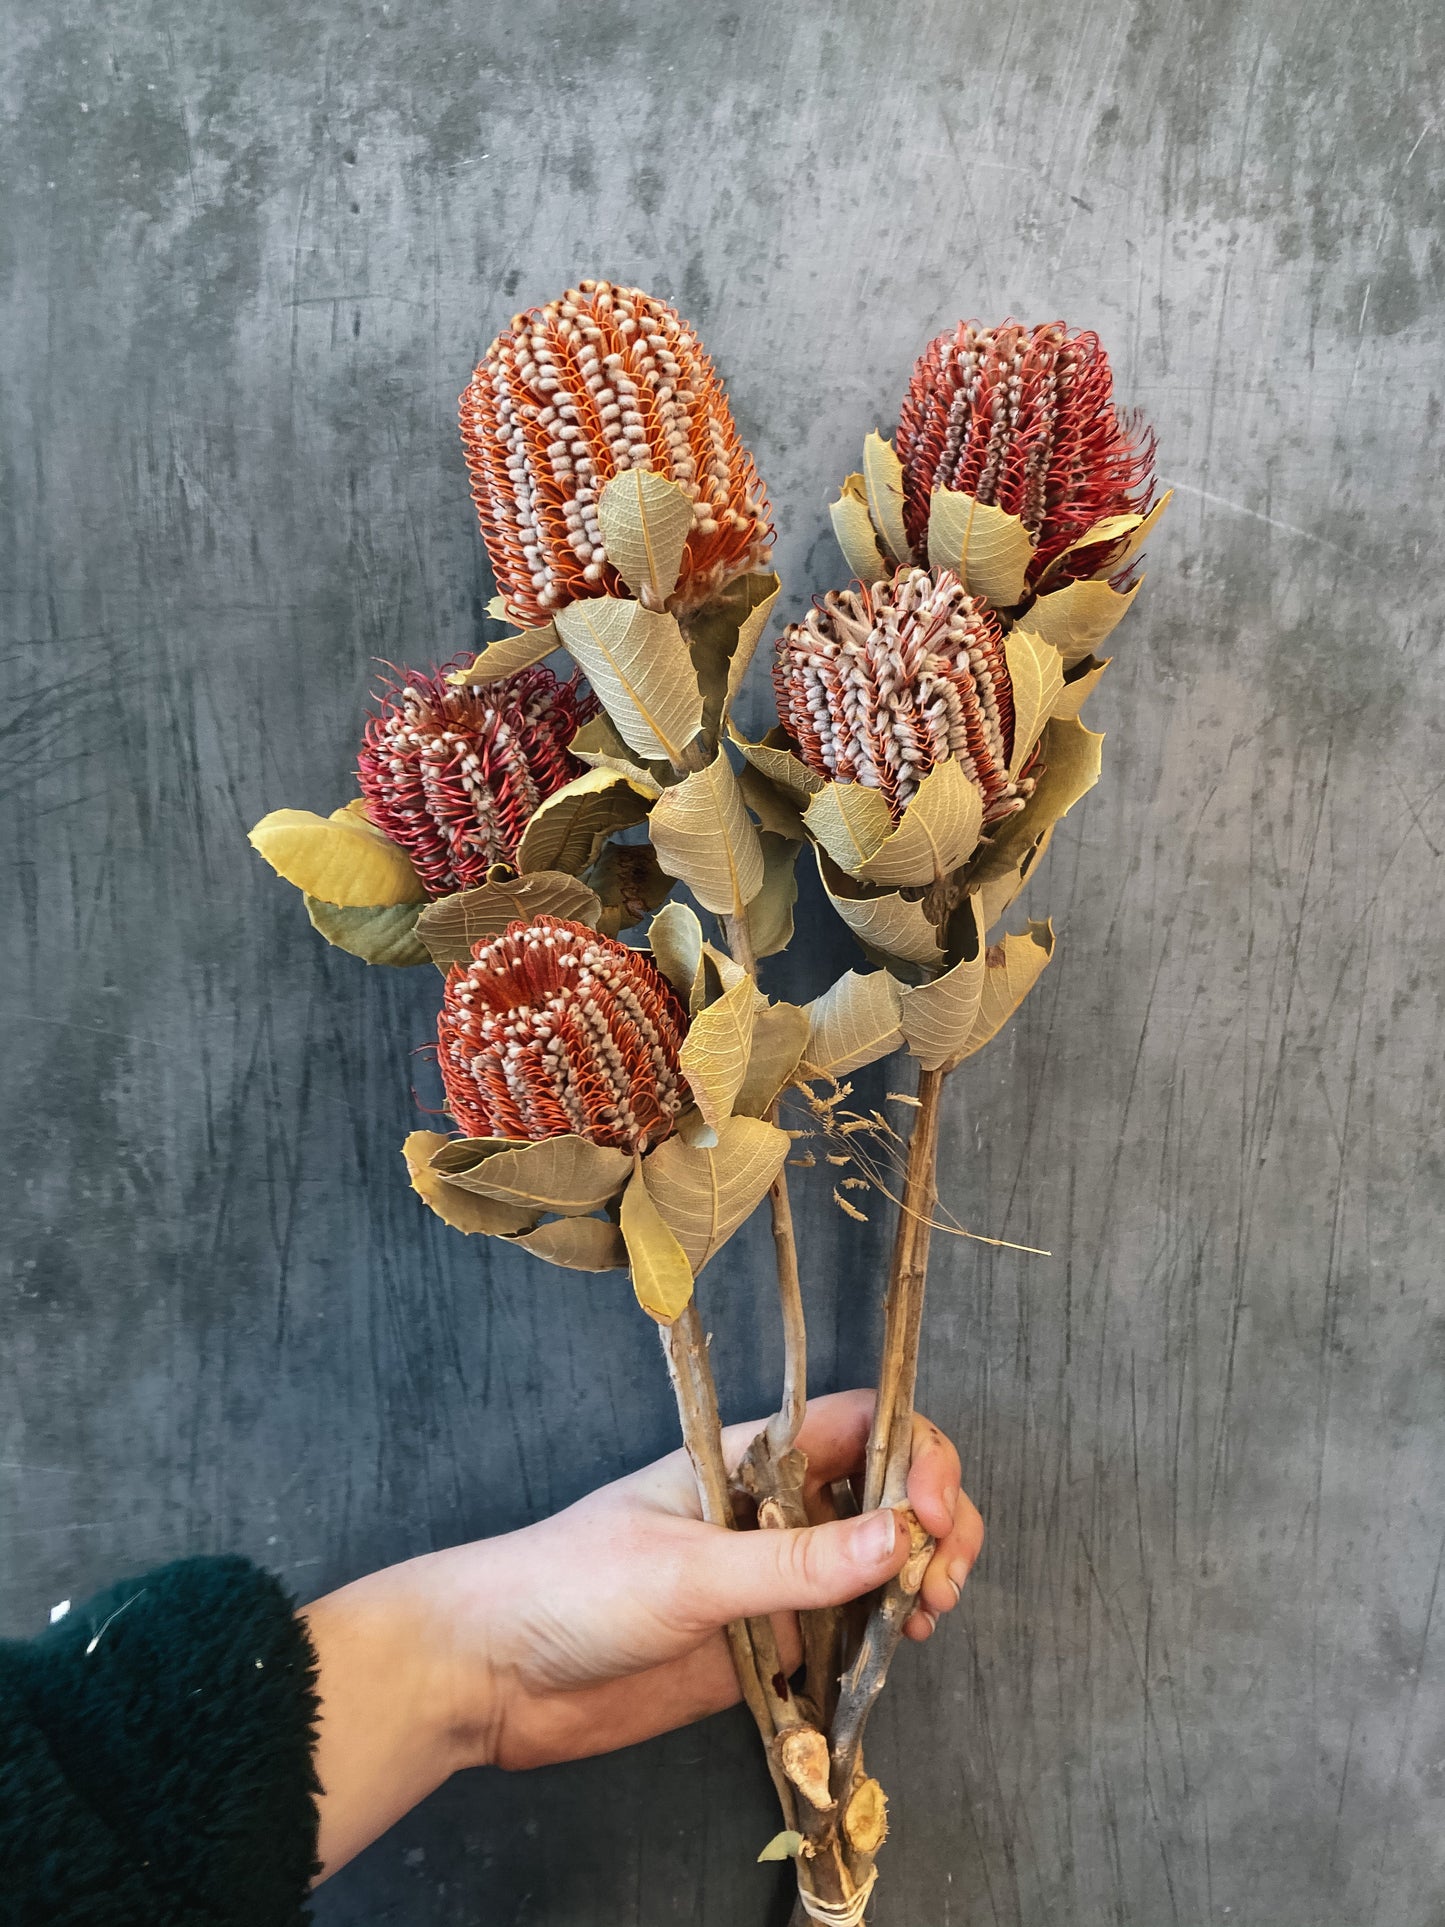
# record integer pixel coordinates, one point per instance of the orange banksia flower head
(552, 1028)
(1023, 419)
(603, 380)
(879, 685)
(454, 774)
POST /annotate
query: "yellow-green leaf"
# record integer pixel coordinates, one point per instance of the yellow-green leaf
(645, 521)
(1075, 618)
(338, 859)
(638, 664)
(891, 923)
(568, 829)
(461, 1209)
(937, 831)
(857, 1021)
(770, 914)
(377, 934)
(987, 549)
(783, 1846)
(702, 834)
(675, 939)
(705, 1192)
(938, 1017)
(850, 820)
(883, 484)
(1036, 672)
(449, 927)
(1082, 682)
(569, 1175)
(1014, 967)
(1070, 759)
(857, 537)
(581, 1244)
(714, 1056)
(780, 1035)
(507, 655)
(661, 1275)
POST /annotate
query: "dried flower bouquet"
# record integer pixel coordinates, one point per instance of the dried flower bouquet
(618, 1106)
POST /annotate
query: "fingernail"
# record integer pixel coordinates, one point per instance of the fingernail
(874, 1537)
(932, 1619)
(958, 1574)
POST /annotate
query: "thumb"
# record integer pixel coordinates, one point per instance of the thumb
(746, 1574)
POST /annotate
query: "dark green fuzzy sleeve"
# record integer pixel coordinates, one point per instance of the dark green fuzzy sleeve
(155, 1757)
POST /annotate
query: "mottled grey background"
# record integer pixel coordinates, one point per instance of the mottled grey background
(250, 251)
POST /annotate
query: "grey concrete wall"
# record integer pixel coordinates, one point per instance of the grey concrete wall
(250, 250)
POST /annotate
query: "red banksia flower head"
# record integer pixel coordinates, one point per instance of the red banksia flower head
(879, 685)
(1022, 419)
(551, 1029)
(603, 380)
(453, 774)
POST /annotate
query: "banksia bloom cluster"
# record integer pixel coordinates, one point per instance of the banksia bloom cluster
(1022, 419)
(454, 774)
(603, 380)
(880, 684)
(551, 1029)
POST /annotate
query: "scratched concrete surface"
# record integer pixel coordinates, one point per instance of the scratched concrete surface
(250, 250)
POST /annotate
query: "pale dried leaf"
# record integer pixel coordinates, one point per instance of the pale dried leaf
(850, 820)
(1070, 758)
(1014, 967)
(986, 548)
(1083, 680)
(580, 1244)
(631, 884)
(775, 808)
(938, 830)
(1075, 618)
(770, 914)
(891, 923)
(1121, 559)
(693, 1128)
(570, 826)
(675, 938)
(449, 927)
(462, 1210)
(783, 1846)
(773, 759)
(376, 934)
(1036, 672)
(857, 537)
(661, 1274)
(598, 744)
(497, 609)
(704, 1194)
(1113, 528)
(854, 1023)
(780, 1035)
(569, 1175)
(339, 859)
(938, 1017)
(702, 834)
(645, 521)
(638, 664)
(761, 593)
(883, 484)
(507, 655)
(714, 1056)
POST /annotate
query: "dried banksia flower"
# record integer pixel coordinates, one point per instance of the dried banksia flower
(603, 380)
(552, 1028)
(454, 774)
(879, 685)
(1022, 419)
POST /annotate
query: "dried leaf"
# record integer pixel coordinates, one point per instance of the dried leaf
(569, 1175)
(377, 934)
(851, 821)
(497, 610)
(773, 759)
(857, 1021)
(645, 521)
(937, 831)
(938, 1017)
(783, 1846)
(1036, 672)
(1069, 764)
(449, 927)
(1144, 528)
(1075, 618)
(1083, 680)
(780, 1034)
(638, 664)
(704, 1194)
(774, 808)
(338, 859)
(675, 938)
(631, 884)
(770, 914)
(702, 834)
(693, 1128)
(598, 744)
(580, 1244)
(1014, 967)
(1113, 528)
(891, 923)
(508, 654)
(760, 592)
(715, 1054)
(987, 549)
(883, 483)
(857, 537)
(462, 1210)
(570, 826)
(661, 1274)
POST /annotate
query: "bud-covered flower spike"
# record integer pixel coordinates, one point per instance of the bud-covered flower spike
(880, 685)
(603, 381)
(1022, 419)
(454, 774)
(552, 1029)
